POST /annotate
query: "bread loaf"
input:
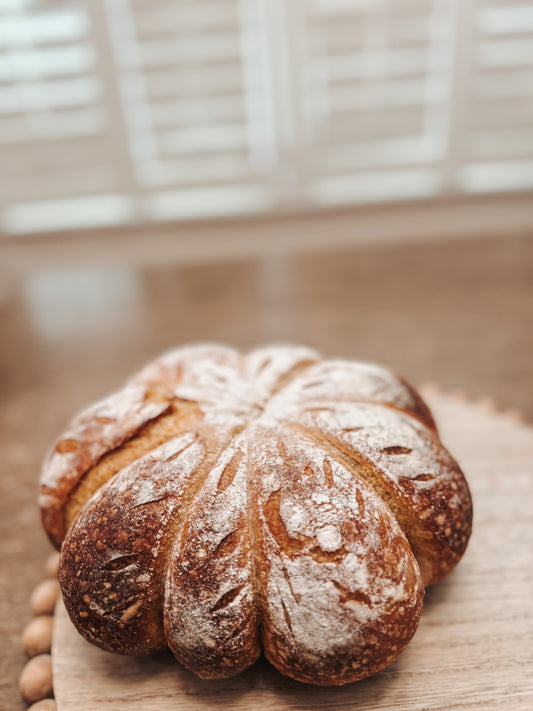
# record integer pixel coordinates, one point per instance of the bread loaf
(223, 504)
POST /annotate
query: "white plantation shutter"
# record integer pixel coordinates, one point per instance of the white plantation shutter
(377, 89)
(497, 143)
(132, 111)
(181, 75)
(61, 158)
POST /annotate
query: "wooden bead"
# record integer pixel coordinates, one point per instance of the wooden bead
(44, 705)
(51, 566)
(35, 682)
(37, 637)
(44, 597)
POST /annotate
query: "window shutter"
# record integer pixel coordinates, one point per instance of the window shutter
(134, 111)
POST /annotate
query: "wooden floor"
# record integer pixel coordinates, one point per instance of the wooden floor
(459, 314)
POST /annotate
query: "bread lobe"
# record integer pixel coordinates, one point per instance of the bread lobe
(211, 613)
(115, 553)
(341, 589)
(413, 473)
(96, 431)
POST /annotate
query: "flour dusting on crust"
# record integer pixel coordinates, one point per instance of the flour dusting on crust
(298, 505)
(334, 563)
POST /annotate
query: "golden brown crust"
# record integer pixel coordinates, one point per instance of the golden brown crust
(222, 503)
(95, 432)
(211, 614)
(341, 590)
(115, 553)
(412, 472)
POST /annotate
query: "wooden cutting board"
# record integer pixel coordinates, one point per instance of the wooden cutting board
(474, 645)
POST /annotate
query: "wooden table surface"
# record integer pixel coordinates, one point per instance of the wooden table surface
(460, 314)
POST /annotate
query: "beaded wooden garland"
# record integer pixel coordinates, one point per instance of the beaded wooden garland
(35, 681)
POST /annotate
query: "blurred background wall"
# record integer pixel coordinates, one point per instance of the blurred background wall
(141, 141)
(148, 148)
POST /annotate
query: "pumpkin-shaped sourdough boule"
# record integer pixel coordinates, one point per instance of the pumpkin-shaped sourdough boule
(222, 504)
